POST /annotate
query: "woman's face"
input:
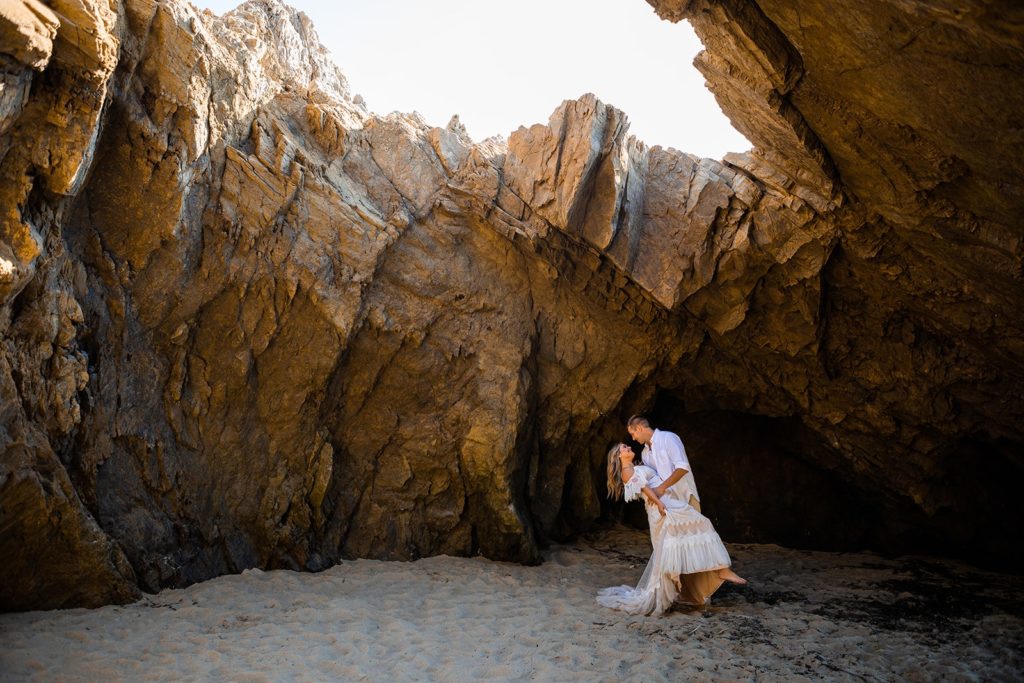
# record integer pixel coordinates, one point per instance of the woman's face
(626, 455)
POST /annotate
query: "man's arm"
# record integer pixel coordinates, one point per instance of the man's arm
(676, 475)
(680, 465)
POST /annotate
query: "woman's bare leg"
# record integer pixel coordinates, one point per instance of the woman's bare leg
(731, 576)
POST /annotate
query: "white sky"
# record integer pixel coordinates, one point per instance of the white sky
(500, 64)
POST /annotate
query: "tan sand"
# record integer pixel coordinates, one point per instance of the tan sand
(805, 616)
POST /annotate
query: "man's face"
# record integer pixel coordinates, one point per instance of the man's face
(639, 433)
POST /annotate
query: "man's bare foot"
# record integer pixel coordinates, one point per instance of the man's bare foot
(731, 576)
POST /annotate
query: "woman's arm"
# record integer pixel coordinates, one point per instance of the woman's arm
(654, 500)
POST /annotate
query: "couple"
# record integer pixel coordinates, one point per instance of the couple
(689, 561)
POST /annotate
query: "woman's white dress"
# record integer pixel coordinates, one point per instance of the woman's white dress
(685, 561)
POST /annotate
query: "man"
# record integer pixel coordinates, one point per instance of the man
(664, 452)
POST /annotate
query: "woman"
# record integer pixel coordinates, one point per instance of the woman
(689, 561)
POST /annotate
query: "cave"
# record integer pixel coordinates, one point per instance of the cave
(771, 480)
(246, 322)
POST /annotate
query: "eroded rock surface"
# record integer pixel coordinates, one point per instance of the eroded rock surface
(247, 323)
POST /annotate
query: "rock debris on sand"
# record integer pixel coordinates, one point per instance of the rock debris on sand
(805, 616)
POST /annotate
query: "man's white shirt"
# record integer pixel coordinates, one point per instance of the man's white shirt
(666, 454)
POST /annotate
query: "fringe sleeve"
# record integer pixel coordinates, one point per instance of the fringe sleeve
(631, 489)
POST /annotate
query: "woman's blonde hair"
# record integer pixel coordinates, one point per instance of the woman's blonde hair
(615, 472)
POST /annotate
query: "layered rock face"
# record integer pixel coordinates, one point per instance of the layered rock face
(909, 112)
(247, 323)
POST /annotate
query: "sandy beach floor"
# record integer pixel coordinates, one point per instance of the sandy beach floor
(805, 616)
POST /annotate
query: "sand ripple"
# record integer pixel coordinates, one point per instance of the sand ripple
(806, 616)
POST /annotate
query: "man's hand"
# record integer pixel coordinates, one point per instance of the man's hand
(659, 490)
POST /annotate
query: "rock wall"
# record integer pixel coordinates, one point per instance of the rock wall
(907, 110)
(245, 322)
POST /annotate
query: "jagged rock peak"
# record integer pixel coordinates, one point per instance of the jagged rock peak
(284, 42)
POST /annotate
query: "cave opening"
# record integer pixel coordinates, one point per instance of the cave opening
(586, 48)
(758, 481)
(771, 479)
